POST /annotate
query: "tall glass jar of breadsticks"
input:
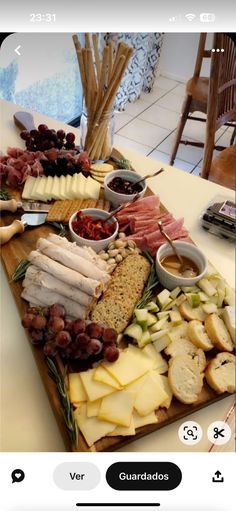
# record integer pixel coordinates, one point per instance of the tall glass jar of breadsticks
(101, 78)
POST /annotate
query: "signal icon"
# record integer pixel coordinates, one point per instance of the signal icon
(190, 16)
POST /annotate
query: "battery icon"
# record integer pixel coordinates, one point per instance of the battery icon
(207, 17)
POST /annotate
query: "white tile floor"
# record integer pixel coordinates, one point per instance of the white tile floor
(148, 126)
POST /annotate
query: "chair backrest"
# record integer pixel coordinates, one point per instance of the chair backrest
(201, 54)
(225, 64)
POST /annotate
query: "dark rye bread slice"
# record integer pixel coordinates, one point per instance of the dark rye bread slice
(125, 289)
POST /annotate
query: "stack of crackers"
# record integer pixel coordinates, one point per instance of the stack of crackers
(100, 170)
(62, 210)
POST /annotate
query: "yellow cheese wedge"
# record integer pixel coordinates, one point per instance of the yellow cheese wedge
(76, 389)
(93, 408)
(38, 190)
(104, 377)
(91, 428)
(48, 188)
(167, 402)
(117, 408)
(94, 389)
(151, 395)
(159, 362)
(92, 189)
(140, 421)
(131, 365)
(124, 430)
(28, 187)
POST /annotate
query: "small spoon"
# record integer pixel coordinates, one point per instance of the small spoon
(145, 178)
(184, 267)
(122, 206)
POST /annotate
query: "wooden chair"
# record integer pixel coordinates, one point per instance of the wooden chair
(223, 168)
(197, 89)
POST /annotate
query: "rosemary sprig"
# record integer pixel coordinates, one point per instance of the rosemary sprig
(151, 283)
(4, 195)
(122, 163)
(20, 270)
(61, 227)
(67, 409)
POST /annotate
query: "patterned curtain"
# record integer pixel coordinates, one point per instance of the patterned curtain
(142, 68)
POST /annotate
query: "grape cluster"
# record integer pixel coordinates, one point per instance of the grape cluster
(61, 166)
(44, 138)
(71, 339)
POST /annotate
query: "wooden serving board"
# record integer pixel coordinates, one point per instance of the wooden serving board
(12, 253)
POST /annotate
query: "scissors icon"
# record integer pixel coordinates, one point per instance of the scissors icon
(218, 433)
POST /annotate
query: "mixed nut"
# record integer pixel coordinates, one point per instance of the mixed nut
(117, 251)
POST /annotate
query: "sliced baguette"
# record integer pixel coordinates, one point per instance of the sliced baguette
(190, 313)
(186, 347)
(185, 379)
(218, 332)
(220, 373)
(198, 336)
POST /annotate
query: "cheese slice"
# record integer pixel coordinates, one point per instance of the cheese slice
(117, 408)
(28, 187)
(135, 386)
(36, 184)
(131, 365)
(62, 188)
(159, 362)
(92, 189)
(55, 192)
(151, 395)
(93, 408)
(104, 377)
(91, 428)
(166, 386)
(68, 187)
(76, 389)
(74, 186)
(80, 187)
(124, 430)
(140, 421)
(39, 188)
(94, 389)
(48, 188)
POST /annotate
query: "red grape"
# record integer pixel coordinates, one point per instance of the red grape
(36, 336)
(49, 335)
(84, 160)
(39, 322)
(27, 320)
(61, 134)
(79, 326)
(57, 310)
(83, 355)
(111, 353)
(109, 335)
(56, 324)
(62, 339)
(25, 135)
(94, 330)
(94, 347)
(46, 312)
(42, 128)
(82, 340)
(50, 350)
(70, 137)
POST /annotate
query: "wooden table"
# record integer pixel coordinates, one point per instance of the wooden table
(28, 423)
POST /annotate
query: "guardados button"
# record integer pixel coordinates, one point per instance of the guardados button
(144, 476)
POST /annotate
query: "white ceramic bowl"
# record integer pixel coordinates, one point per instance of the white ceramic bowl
(171, 281)
(120, 198)
(95, 245)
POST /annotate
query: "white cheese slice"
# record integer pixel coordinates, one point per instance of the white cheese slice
(48, 188)
(91, 427)
(68, 187)
(80, 187)
(135, 386)
(104, 377)
(140, 421)
(39, 188)
(167, 402)
(93, 408)
(151, 395)
(55, 192)
(74, 186)
(117, 408)
(158, 361)
(76, 389)
(94, 389)
(124, 430)
(62, 188)
(92, 189)
(28, 187)
(228, 317)
(36, 184)
(131, 365)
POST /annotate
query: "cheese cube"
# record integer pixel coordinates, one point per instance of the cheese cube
(104, 377)
(93, 408)
(140, 421)
(151, 395)
(91, 428)
(117, 408)
(28, 187)
(131, 365)
(94, 389)
(48, 188)
(76, 389)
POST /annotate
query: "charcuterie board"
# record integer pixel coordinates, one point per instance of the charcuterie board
(19, 248)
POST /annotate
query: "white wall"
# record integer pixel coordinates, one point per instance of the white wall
(178, 56)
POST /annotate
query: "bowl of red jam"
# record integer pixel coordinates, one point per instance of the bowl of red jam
(120, 187)
(87, 228)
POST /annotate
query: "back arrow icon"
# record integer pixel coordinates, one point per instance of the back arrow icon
(17, 50)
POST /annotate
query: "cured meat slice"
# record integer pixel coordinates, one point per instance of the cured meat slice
(172, 229)
(86, 252)
(48, 297)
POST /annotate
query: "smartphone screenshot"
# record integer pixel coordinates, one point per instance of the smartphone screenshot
(117, 235)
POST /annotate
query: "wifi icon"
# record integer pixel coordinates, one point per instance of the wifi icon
(190, 16)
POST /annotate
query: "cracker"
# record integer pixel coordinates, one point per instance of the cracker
(57, 211)
(101, 167)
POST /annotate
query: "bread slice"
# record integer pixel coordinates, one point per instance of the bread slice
(198, 336)
(218, 333)
(190, 313)
(186, 347)
(220, 373)
(185, 379)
